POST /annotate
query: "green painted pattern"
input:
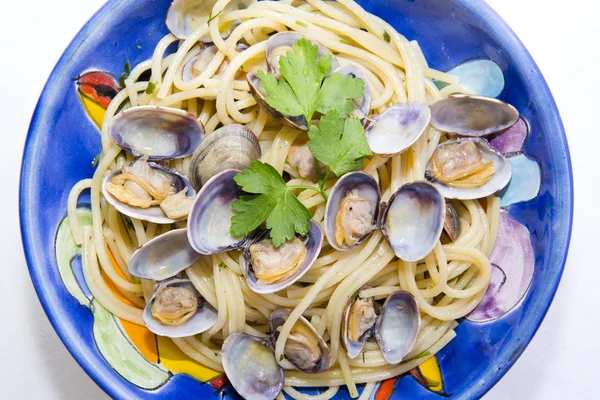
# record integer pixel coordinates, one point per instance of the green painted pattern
(112, 342)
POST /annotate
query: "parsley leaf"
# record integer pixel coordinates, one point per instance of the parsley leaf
(270, 200)
(125, 74)
(301, 89)
(211, 17)
(151, 87)
(386, 36)
(339, 143)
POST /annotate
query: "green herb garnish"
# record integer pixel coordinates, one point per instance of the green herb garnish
(125, 74)
(151, 87)
(339, 143)
(301, 23)
(301, 89)
(270, 200)
(386, 36)
(210, 16)
(95, 161)
(281, 357)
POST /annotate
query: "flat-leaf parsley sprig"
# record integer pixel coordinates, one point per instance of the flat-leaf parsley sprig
(304, 87)
(269, 200)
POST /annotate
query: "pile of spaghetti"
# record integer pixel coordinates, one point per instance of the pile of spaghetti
(447, 284)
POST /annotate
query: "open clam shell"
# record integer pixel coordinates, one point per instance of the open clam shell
(231, 147)
(259, 93)
(209, 222)
(397, 128)
(250, 365)
(310, 355)
(498, 181)
(398, 326)
(203, 319)
(365, 187)
(313, 242)
(413, 220)
(156, 132)
(154, 213)
(280, 43)
(163, 257)
(469, 115)
(187, 16)
(356, 313)
(362, 104)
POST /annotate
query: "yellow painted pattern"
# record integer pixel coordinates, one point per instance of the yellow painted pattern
(94, 110)
(177, 362)
(430, 370)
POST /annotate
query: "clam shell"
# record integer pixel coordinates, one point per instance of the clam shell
(156, 132)
(277, 319)
(367, 188)
(500, 179)
(203, 320)
(230, 147)
(413, 220)
(469, 115)
(209, 222)
(397, 128)
(259, 94)
(398, 326)
(313, 242)
(187, 16)
(250, 365)
(353, 349)
(451, 223)
(163, 257)
(151, 214)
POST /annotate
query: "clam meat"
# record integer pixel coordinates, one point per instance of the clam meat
(304, 348)
(359, 319)
(301, 158)
(354, 219)
(174, 305)
(150, 192)
(274, 264)
(176, 309)
(139, 185)
(461, 165)
(468, 169)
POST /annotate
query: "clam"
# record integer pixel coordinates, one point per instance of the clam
(176, 309)
(259, 93)
(357, 324)
(209, 222)
(362, 105)
(468, 169)
(187, 16)
(156, 132)
(352, 211)
(141, 189)
(451, 223)
(412, 219)
(270, 269)
(468, 115)
(200, 60)
(250, 365)
(280, 43)
(163, 257)
(304, 348)
(397, 128)
(398, 326)
(230, 147)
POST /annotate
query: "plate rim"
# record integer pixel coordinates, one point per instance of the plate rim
(483, 13)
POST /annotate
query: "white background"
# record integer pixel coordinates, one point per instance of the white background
(561, 361)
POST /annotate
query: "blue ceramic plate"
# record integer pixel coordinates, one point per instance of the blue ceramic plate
(461, 35)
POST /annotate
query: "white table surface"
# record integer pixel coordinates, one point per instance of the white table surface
(560, 362)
